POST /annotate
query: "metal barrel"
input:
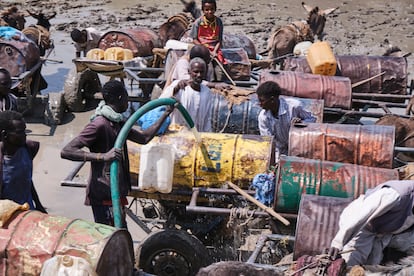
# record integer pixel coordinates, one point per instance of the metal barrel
(18, 56)
(362, 67)
(140, 41)
(217, 159)
(241, 117)
(367, 145)
(334, 90)
(297, 176)
(31, 238)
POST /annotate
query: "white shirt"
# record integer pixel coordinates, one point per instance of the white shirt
(93, 37)
(362, 210)
(279, 127)
(197, 103)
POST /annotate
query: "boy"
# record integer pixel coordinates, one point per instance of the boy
(16, 161)
(208, 30)
(99, 137)
(278, 114)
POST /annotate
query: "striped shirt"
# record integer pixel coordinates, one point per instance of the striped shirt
(279, 127)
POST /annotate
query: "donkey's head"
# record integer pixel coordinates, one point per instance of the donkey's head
(317, 18)
(42, 19)
(192, 8)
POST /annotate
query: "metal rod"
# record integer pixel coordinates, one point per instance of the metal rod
(146, 69)
(389, 104)
(403, 149)
(137, 220)
(377, 95)
(359, 113)
(69, 183)
(225, 211)
(142, 80)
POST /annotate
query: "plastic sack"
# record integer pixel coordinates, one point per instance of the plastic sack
(67, 265)
(152, 116)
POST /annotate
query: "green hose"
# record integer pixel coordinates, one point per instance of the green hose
(120, 140)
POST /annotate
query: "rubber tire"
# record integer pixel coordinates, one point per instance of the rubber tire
(80, 86)
(175, 241)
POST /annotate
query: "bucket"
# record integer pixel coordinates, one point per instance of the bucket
(359, 67)
(241, 116)
(156, 168)
(334, 90)
(297, 176)
(32, 237)
(140, 41)
(367, 145)
(219, 158)
(321, 59)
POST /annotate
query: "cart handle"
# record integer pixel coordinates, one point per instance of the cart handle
(120, 141)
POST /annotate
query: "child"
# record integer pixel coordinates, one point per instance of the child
(16, 161)
(208, 30)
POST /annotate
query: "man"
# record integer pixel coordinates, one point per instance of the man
(383, 217)
(193, 95)
(7, 100)
(16, 161)
(85, 40)
(99, 137)
(279, 114)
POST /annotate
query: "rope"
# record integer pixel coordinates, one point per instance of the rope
(240, 213)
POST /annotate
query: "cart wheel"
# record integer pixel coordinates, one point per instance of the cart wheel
(172, 252)
(80, 87)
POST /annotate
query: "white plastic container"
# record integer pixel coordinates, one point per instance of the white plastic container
(156, 168)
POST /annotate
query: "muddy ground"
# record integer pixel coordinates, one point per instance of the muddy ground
(357, 27)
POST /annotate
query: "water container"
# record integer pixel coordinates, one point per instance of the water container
(67, 265)
(321, 59)
(118, 53)
(95, 54)
(156, 168)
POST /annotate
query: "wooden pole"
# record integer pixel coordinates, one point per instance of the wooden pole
(224, 71)
(258, 203)
(367, 80)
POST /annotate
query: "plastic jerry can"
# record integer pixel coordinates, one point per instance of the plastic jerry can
(96, 54)
(156, 168)
(67, 265)
(321, 59)
(118, 53)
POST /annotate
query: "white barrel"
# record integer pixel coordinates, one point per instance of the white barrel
(156, 168)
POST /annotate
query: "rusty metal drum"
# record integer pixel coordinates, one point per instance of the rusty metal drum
(360, 67)
(18, 56)
(297, 176)
(334, 90)
(367, 145)
(219, 158)
(31, 238)
(140, 41)
(241, 117)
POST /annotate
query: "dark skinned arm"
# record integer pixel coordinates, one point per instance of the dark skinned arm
(144, 136)
(73, 151)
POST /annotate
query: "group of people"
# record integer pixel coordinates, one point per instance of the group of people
(381, 217)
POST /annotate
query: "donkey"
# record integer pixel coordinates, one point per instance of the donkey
(283, 39)
(13, 17)
(39, 32)
(404, 133)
